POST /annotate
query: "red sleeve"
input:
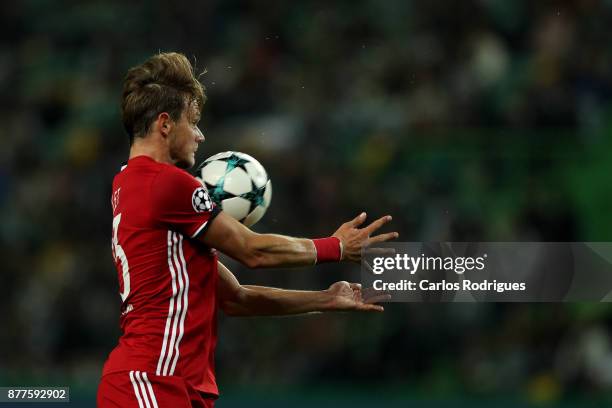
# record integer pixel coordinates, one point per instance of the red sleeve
(181, 202)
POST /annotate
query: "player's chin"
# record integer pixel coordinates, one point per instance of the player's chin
(186, 162)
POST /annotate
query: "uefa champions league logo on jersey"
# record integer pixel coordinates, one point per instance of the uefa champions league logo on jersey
(200, 200)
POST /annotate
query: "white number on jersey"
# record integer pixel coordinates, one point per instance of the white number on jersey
(119, 255)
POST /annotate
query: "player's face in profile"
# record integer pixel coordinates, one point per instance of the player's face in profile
(185, 137)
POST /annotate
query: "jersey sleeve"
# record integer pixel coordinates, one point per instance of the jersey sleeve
(182, 203)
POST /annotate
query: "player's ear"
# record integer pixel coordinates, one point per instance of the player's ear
(164, 123)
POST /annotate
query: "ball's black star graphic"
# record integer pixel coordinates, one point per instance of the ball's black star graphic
(255, 196)
(234, 161)
(217, 193)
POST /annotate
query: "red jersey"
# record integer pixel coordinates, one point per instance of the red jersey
(167, 279)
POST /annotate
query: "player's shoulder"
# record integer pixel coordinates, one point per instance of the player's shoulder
(138, 170)
(174, 188)
(175, 176)
(160, 172)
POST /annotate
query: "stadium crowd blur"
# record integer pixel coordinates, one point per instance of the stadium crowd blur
(484, 120)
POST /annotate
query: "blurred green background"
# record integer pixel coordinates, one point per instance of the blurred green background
(483, 120)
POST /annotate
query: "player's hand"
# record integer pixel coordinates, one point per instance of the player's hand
(348, 296)
(354, 238)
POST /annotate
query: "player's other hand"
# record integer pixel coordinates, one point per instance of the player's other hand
(348, 296)
(354, 238)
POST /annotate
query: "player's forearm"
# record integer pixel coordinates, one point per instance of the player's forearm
(270, 250)
(266, 301)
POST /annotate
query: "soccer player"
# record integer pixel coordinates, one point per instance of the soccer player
(164, 244)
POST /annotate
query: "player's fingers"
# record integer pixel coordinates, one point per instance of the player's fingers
(357, 292)
(377, 224)
(383, 238)
(378, 251)
(371, 308)
(370, 295)
(358, 220)
(378, 298)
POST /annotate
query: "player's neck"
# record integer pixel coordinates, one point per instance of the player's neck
(152, 148)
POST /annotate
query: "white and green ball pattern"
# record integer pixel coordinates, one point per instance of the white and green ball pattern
(238, 184)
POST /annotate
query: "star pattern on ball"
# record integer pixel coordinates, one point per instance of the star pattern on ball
(217, 192)
(234, 161)
(255, 196)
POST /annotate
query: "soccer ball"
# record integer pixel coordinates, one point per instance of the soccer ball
(238, 184)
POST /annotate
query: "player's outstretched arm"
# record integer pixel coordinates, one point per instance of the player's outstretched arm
(270, 250)
(245, 300)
